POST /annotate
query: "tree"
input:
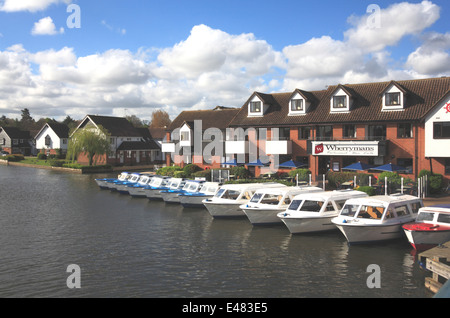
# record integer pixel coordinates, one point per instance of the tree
(88, 141)
(160, 119)
(135, 121)
(26, 122)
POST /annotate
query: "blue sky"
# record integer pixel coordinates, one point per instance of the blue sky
(132, 57)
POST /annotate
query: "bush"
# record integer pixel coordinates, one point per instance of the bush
(168, 171)
(369, 190)
(337, 178)
(435, 182)
(202, 174)
(42, 156)
(179, 174)
(56, 163)
(190, 169)
(303, 174)
(240, 172)
(14, 158)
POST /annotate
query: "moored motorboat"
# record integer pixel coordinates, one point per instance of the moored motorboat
(266, 203)
(157, 184)
(194, 199)
(377, 218)
(108, 183)
(171, 195)
(313, 212)
(431, 227)
(122, 186)
(226, 202)
(136, 190)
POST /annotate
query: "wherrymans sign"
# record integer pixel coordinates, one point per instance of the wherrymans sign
(345, 148)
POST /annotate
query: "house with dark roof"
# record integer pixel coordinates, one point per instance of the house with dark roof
(15, 141)
(52, 139)
(129, 145)
(197, 137)
(406, 123)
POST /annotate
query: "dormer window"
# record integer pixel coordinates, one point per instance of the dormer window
(393, 97)
(340, 102)
(255, 107)
(296, 105)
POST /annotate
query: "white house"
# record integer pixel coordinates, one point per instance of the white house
(52, 138)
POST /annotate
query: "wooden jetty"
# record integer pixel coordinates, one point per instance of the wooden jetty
(437, 260)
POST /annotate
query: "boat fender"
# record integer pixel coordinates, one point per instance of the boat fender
(345, 221)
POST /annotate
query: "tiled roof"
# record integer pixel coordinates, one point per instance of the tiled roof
(117, 126)
(138, 145)
(218, 117)
(421, 96)
(16, 133)
(61, 130)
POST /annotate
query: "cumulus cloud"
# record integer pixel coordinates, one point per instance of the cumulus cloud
(28, 5)
(212, 67)
(45, 26)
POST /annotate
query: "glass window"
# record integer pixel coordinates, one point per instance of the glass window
(371, 212)
(340, 203)
(404, 130)
(349, 210)
(444, 218)
(401, 210)
(297, 105)
(406, 163)
(304, 132)
(295, 205)
(255, 107)
(447, 165)
(377, 132)
(441, 130)
(325, 133)
(312, 206)
(425, 216)
(272, 199)
(339, 102)
(392, 99)
(415, 207)
(349, 131)
(256, 197)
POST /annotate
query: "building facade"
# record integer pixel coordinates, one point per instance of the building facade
(15, 141)
(52, 139)
(406, 123)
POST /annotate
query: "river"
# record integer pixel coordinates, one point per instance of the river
(129, 247)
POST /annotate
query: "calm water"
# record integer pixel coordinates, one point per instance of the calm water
(129, 247)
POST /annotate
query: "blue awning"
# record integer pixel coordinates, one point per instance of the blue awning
(390, 167)
(258, 163)
(292, 164)
(360, 166)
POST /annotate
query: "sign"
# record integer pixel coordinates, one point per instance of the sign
(447, 108)
(345, 148)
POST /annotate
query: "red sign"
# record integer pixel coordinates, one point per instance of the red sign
(447, 107)
(319, 148)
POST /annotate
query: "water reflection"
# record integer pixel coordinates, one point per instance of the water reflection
(132, 247)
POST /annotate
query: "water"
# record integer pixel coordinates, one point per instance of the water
(129, 247)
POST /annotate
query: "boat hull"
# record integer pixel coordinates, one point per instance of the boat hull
(170, 196)
(308, 225)
(224, 210)
(137, 192)
(258, 216)
(153, 194)
(102, 183)
(357, 234)
(426, 236)
(193, 201)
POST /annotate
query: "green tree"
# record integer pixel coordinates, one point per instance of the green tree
(89, 141)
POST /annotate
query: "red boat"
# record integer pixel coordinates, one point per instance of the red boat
(431, 228)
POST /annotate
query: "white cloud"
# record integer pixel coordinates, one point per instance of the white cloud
(45, 26)
(28, 5)
(211, 67)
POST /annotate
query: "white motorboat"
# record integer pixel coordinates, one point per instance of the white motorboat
(157, 184)
(107, 183)
(194, 199)
(431, 227)
(171, 195)
(122, 186)
(226, 202)
(136, 190)
(377, 218)
(312, 212)
(266, 203)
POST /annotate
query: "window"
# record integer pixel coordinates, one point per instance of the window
(444, 218)
(425, 216)
(48, 140)
(349, 131)
(404, 130)
(283, 134)
(255, 107)
(371, 212)
(401, 210)
(377, 132)
(184, 136)
(325, 133)
(312, 206)
(64, 141)
(441, 130)
(349, 210)
(304, 133)
(295, 204)
(3, 141)
(447, 165)
(392, 99)
(415, 207)
(339, 102)
(15, 141)
(297, 105)
(406, 163)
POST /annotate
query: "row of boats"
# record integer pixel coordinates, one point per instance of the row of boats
(361, 218)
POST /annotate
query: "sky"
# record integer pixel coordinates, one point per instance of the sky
(63, 58)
